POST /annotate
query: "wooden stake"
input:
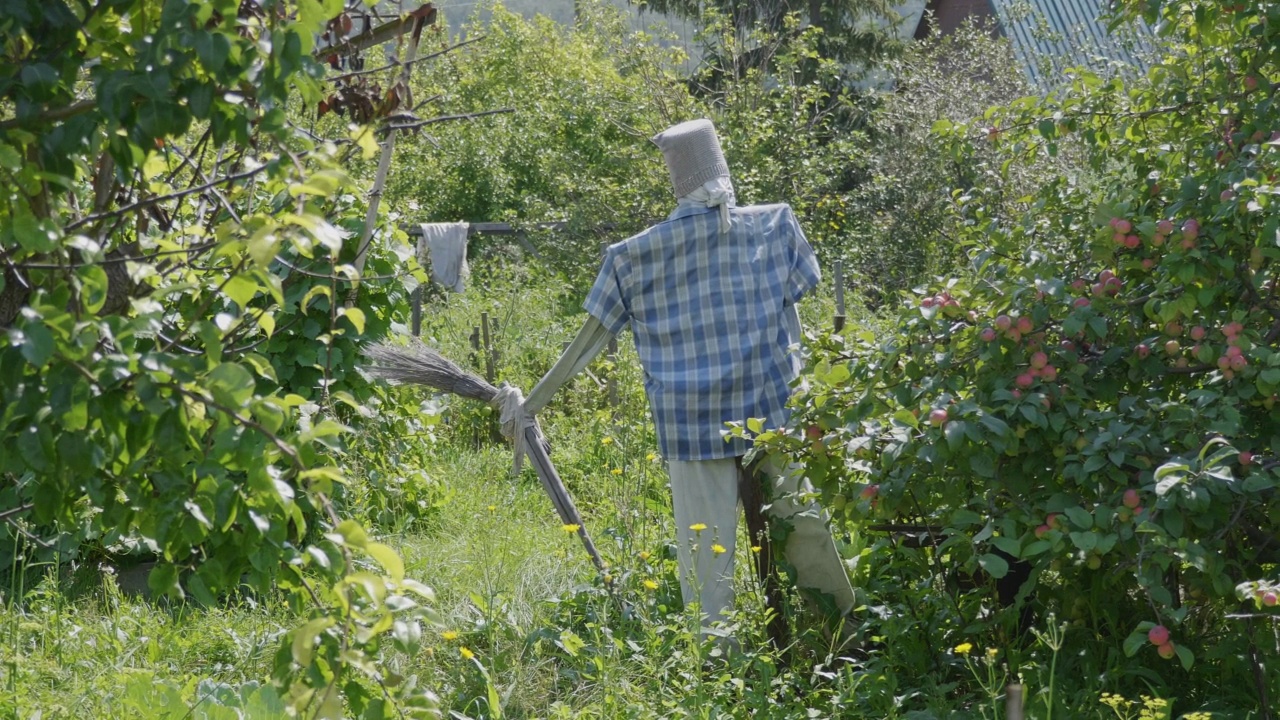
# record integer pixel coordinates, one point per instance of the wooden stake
(416, 318)
(1013, 702)
(612, 382)
(487, 340)
(384, 162)
(839, 280)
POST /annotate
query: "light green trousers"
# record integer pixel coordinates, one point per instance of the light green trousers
(705, 493)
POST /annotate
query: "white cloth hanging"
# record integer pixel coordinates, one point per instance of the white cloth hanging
(445, 244)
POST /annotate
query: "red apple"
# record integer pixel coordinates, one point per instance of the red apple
(1025, 380)
(1246, 457)
(1172, 347)
(1142, 350)
(869, 492)
(1004, 322)
(938, 416)
(987, 334)
(1158, 635)
(1197, 333)
(1167, 651)
(1131, 498)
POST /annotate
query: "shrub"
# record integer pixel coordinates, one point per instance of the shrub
(1092, 406)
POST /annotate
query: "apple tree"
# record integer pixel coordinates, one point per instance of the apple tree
(1090, 407)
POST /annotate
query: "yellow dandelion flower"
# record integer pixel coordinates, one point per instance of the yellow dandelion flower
(755, 548)
(651, 584)
(466, 653)
(449, 635)
(718, 549)
(650, 457)
(616, 471)
(570, 527)
(606, 441)
(644, 555)
(992, 653)
(698, 527)
(964, 648)
(493, 508)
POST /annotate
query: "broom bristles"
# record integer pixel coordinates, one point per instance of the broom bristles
(418, 364)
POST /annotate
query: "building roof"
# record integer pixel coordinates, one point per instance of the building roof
(1049, 36)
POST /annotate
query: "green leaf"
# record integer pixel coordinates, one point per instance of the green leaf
(304, 639)
(996, 566)
(994, 424)
(1135, 642)
(954, 433)
(36, 342)
(387, 558)
(983, 465)
(1009, 545)
(163, 580)
(10, 159)
(570, 643)
(1086, 541)
(1079, 517)
(352, 534)
(1185, 656)
(241, 290)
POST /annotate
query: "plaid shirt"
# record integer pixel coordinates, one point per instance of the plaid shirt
(713, 317)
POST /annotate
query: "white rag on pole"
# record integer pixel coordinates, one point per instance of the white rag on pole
(446, 246)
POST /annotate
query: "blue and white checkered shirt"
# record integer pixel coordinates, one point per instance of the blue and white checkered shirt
(713, 316)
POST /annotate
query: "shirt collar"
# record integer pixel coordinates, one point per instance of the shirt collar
(687, 210)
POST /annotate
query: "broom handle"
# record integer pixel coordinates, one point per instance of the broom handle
(559, 494)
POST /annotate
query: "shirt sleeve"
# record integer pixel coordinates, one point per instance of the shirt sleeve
(805, 274)
(605, 301)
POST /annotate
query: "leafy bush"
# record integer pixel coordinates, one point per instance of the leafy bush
(1090, 409)
(180, 325)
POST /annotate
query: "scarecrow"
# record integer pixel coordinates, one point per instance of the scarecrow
(710, 296)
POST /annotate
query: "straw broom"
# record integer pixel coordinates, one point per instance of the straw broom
(420, 365)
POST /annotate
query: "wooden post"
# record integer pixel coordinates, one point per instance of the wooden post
(475, 363)
(839, 280)
(486, 338)
(384, 162)
(1013, 702)
(415, 320)
(612, 383)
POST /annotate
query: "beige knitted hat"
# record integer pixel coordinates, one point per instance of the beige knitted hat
(693, 155)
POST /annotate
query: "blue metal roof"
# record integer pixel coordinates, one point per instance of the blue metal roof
(1052, 35)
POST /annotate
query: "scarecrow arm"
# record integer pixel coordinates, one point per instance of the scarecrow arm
(591, 339)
